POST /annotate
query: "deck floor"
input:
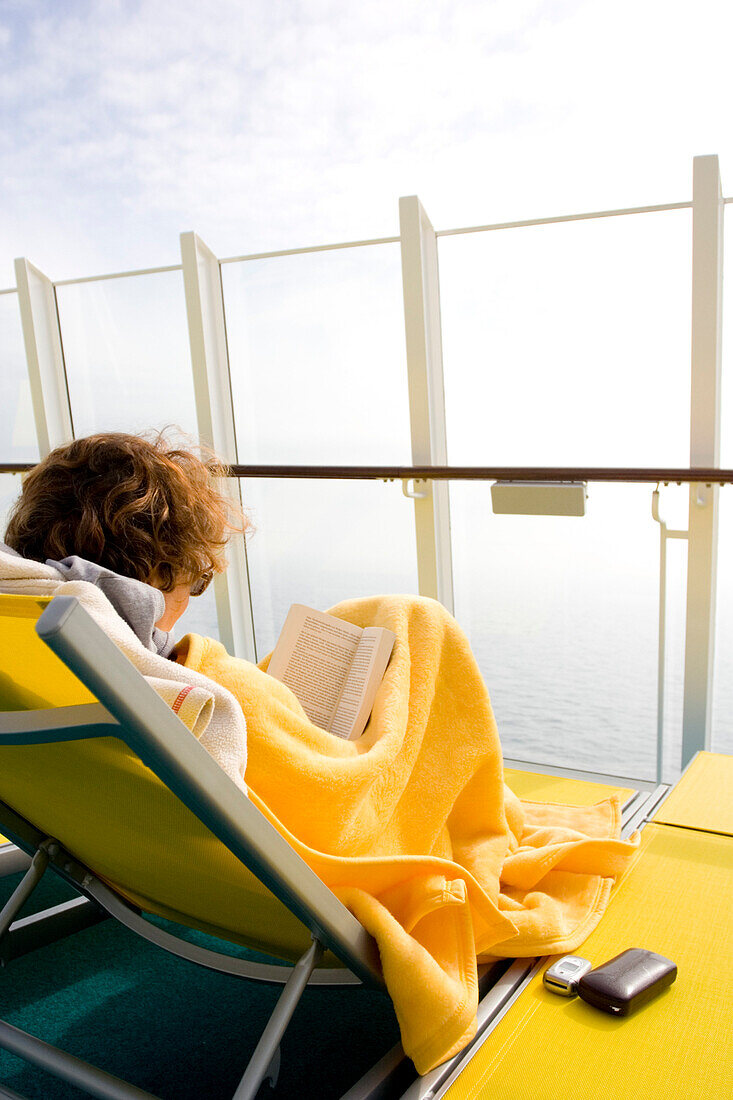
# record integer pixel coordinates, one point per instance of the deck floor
(173, 1028)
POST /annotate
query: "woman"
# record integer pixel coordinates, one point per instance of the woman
(140, 519)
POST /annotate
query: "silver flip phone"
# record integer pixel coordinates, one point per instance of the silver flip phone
(563, 976)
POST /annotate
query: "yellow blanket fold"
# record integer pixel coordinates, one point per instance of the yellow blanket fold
(411, 826)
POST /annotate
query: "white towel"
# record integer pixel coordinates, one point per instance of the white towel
(211, 712)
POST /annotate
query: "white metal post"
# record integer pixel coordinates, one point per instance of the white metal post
(427, 403)
(707, 294)
(215, 416)
(44, 355)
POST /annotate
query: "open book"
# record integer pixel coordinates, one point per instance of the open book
(333, 667)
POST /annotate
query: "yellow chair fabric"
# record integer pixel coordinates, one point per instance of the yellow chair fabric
(31, 676)
(677, 900)
(703, 798)
(126, 825)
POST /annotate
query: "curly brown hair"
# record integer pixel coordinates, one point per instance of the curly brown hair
(141, 507)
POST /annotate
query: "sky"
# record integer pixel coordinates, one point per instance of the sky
(266, 125)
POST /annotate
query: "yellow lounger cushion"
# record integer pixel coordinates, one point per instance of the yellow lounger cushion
(676, 900)
(703, 798)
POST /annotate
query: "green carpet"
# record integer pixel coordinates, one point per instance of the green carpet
(173, 1028)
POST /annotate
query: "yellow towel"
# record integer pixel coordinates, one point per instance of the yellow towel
(410, 824)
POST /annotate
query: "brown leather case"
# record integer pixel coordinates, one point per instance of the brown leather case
(627, 981)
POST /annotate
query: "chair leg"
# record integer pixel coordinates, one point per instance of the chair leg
(50, 925)
(273, 1070)
(18, 937)
(12, 860)
(264, 1052)
(90, 1079)
(25, 887)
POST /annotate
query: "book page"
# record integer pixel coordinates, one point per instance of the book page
(360, 687)
(312, 657)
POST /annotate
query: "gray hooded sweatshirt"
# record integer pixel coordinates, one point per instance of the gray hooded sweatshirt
(139, 604)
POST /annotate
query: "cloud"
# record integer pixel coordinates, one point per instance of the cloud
(265, 125)
(245, 108)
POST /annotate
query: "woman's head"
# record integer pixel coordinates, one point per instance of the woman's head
(142, 508)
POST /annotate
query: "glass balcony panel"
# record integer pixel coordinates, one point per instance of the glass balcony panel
(18, 441)
(676, 612)
(199, 617)
(722, 719)
(320, 542)
(9, 492)
(129, 369)
(562, 614)
(726, 396)
(569, 344)
(127, 354)
(317, 352)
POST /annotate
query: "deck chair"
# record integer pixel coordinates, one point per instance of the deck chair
(102, 782)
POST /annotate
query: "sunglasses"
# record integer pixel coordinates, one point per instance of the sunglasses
(200, 585)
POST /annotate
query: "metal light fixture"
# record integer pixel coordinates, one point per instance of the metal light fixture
(539, 498)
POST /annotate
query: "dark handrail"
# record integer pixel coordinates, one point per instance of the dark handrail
(704, 474)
